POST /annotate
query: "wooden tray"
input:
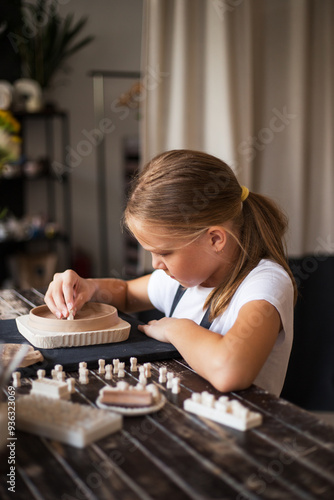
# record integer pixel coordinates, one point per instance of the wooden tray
(94, 324)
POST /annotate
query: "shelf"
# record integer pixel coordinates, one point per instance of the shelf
(31, 178)
(35, 239)
(52, 113)
(45, 135)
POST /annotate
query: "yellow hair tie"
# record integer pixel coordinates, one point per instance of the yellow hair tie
(244, 193)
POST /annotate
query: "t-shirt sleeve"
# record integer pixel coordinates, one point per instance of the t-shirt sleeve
(273, 285)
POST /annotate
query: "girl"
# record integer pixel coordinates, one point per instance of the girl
(221, 275)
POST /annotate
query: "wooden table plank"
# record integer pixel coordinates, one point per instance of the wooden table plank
(101, 475)
(140, 468)
(44, 472)
(12, 305)
(33, 297)
(21, 491)
(297, 419)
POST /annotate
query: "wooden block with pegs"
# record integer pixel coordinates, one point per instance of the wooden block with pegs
(223, 411)
(50, 388)
(70, 423)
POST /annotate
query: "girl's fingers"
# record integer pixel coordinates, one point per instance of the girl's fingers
(67, 292)
(142, 328)
(69, 299)
(51, 304)
(55, 301)
(61, 293)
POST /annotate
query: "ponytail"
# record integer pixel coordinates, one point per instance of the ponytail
(261, 237)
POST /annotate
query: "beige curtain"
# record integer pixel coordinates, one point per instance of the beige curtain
(250, 81)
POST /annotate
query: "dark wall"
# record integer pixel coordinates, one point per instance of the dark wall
(10, 19)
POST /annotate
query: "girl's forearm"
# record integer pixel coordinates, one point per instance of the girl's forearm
(127, 296)
(109, 291)
(207, 353)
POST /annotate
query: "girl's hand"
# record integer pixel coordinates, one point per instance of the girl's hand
(68, 292)
(163, 329)
(157, 329)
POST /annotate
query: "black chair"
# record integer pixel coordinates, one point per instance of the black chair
(310, 377)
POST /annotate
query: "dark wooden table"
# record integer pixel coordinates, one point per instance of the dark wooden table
(173, 454)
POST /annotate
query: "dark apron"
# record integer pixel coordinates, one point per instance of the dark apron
(179, 294)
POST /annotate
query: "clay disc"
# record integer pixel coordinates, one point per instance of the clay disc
(9, 351)
(92, 317)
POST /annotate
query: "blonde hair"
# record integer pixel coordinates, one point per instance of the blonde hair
(187, 191)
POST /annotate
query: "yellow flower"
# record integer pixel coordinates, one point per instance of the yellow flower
(8, 122)
(10, 142)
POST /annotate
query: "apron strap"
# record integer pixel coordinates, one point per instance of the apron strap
(179, 293)
(206, 323)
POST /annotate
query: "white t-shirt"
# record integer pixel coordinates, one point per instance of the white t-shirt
(268, 281)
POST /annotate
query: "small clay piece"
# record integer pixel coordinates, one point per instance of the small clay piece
(121, 372)
(133, 362)
(108, 375)
(70, 385)
(41, 373)
(16, 379)
(9, 351)
(126, 397)
(102, 364)
(162, 375)
(175, 385)
(71, 316)
(147, 371)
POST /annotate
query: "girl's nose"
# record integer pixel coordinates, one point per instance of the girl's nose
(157, 262)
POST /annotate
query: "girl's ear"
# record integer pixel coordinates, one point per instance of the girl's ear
(218, 238)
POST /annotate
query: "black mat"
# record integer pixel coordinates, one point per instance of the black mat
(138, 345)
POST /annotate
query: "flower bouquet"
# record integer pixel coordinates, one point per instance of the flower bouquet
(10, 141)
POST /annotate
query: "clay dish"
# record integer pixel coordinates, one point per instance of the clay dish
(10, 350)
(92, 317)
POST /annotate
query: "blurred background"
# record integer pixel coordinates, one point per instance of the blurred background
(91, 91)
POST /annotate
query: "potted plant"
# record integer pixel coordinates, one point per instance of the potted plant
(46, 40)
